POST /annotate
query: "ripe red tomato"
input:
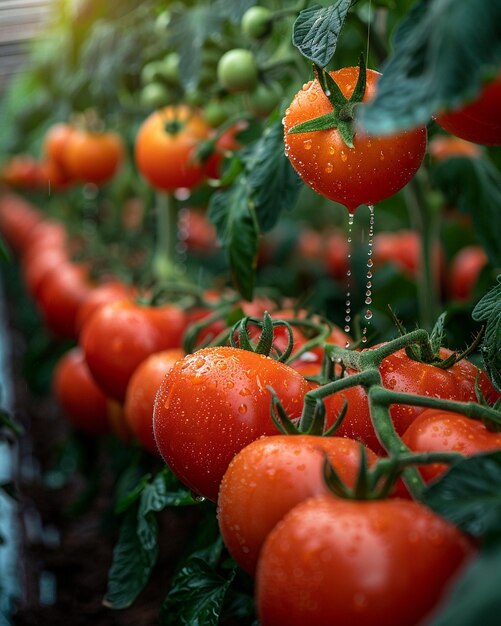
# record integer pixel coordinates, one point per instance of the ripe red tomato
(196, 232)
(403, 249)
(464, 270)
(212, 404)
(93, 157)
(374, 169)
(226, 143)
(478, 120)
(165, 148)
(442, 431)
(402, 374)
(357, 563)
(82, 401)
(100, 295)
(120, 335)
(21, 171)
(60, 293)
(141, 393)
(18, 218)
(271, 476)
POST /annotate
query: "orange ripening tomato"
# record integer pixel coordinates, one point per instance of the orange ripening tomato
(166, 145)
(141, 393)
(375, 168)
(102, 294)
(82, 401)
(18, 218)
(443, 147)
(93, 157)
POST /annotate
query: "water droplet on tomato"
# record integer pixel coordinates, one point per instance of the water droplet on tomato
(242, 409)
(368, 314)
(312, 96)
(332, 150)
(328, 168)
(344, 157)
(307, 143)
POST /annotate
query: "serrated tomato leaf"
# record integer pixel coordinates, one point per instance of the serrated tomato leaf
(488, 310)
(475, 598)
(468, 495)
(131, 564)
(443, 51)
(237, 228)
(197, 593)
(469, 184)
(316, 30)
(273, 183)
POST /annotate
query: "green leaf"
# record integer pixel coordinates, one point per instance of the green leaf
(469, 496)
(316, 31)
(198, 591)
(131, 565)
(237, 228)
(438, 333)
(443, 52)
(488, 310)
(273, 183)
(475, 598)
(189, 29)
(474, 187)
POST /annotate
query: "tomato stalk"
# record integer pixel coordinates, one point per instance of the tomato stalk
(164, 259)
(423, 217)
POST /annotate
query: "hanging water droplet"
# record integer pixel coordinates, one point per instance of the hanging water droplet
(364, 338)
(347, 318)
(370, 263)
(369, 274)
(347, 330)
(327, 93)
(348, 273)
(368, 314)
(368, 300)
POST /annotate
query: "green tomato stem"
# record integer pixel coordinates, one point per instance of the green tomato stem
(164, 258)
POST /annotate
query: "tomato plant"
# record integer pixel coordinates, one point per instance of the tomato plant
(403, 374)
(365, 172)
(269, 477)
(212, 404)
(296, 584)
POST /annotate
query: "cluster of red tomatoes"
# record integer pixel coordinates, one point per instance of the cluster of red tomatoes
(207, 414)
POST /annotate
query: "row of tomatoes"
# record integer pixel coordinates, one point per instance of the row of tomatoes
(208, 415)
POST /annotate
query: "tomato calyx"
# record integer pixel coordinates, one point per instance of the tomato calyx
(265, 344)
(376, 482)
(342, 117)
(314, 426)
(428, 351)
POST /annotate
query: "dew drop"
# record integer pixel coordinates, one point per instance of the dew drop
(368, 314)
(242, 409)
(370, 263)
(332, 150)
(307, 143)
(347, 330)
(344, 158)
(368, 300)
(328, 168)
(368, 284)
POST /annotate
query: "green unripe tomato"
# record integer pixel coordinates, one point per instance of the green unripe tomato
(155, 95)
(169, 68)
(257, 22)
(265, 98)
(162, 22)
(150, 72)
(237, 70)
(215, 113)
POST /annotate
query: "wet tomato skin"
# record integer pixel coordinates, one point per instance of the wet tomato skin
(443, 431)
(375, 169)
(402, 374)
(212, 404)
(363, 563)
(271, 476)
(141, 393)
